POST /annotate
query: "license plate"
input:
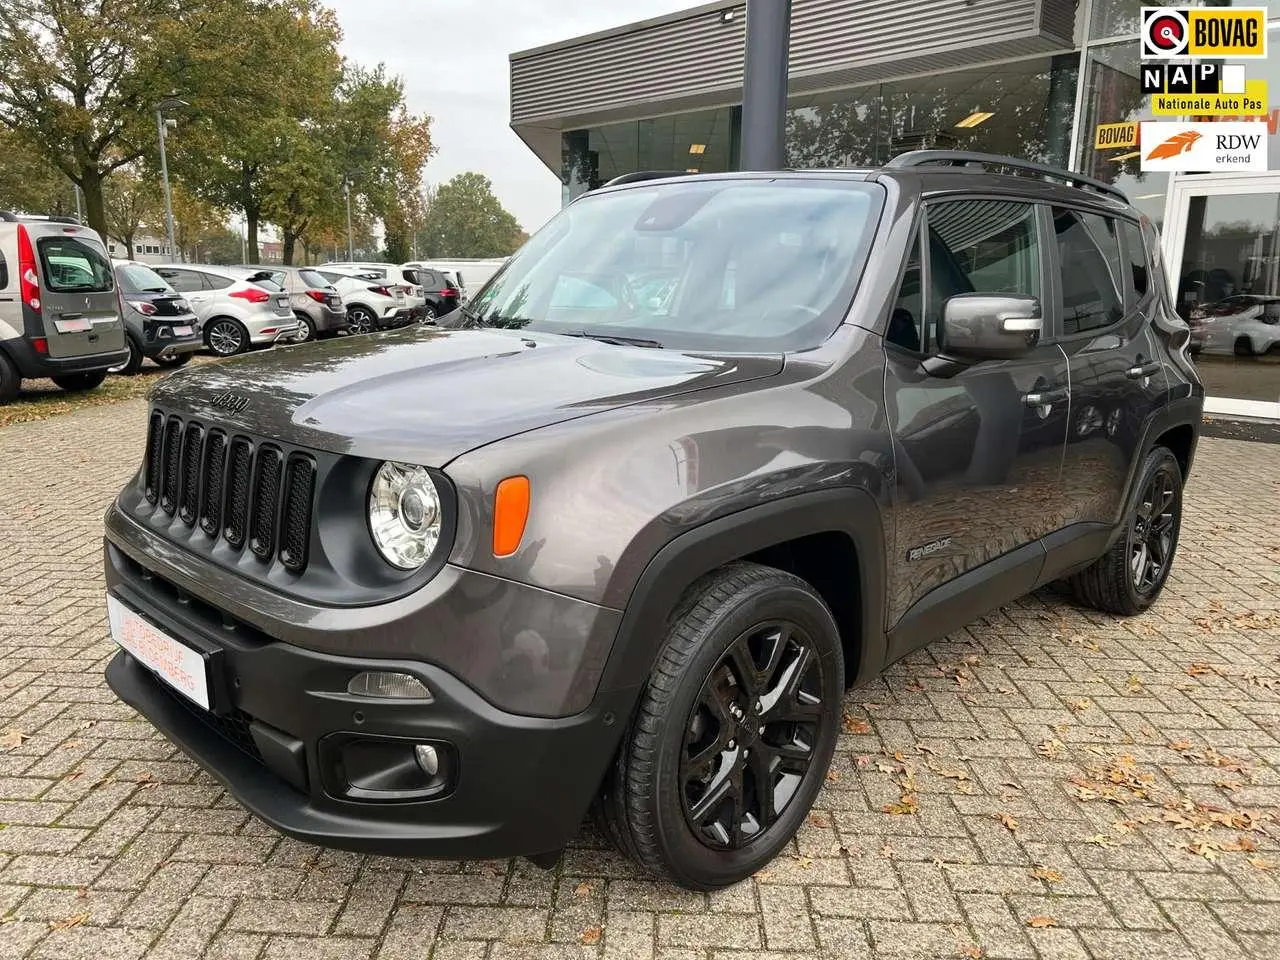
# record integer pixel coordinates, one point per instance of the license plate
(78, 325)
(182, 331)
(282, 301)
(175, 663)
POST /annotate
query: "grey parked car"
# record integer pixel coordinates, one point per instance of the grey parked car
(440, 591)
(315, 300)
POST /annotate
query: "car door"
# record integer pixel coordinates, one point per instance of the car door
(979, 452)
(81, 309)
(1105, 306)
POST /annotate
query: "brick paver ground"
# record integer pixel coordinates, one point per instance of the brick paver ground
(1063, 785)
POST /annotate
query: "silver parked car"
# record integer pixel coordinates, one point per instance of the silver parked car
(238, 307)
(316, 302)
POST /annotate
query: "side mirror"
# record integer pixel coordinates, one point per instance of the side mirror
(984, 326)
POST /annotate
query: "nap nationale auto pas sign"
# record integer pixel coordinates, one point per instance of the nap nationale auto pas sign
(1232, 33)
(1203, 147)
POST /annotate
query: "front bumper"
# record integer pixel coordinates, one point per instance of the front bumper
(518, 784)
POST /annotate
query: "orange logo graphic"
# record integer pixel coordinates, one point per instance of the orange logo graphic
(1178, 143)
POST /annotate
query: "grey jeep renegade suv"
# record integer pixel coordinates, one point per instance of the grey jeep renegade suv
(619, 534)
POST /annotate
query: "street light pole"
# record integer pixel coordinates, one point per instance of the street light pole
(764, 93)
(164, 172)
(346, 190)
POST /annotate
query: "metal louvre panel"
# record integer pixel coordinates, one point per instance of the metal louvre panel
(833, 42)
(155, 448)
(215, 463)
(170, 470)
(295, 528)
(239, 475)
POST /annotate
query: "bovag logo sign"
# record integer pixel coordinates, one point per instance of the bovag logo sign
(1230, 32)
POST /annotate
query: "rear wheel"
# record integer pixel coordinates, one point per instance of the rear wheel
(80, 382)
(1129, 577)
(226, 337)
(307, 328)
(10, 381)
(734, 733)
(361, 320)
(134, 361)
(1244, 347)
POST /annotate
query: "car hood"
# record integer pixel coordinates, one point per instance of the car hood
(428, 395)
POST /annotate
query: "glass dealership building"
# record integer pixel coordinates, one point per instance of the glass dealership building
(870, 79)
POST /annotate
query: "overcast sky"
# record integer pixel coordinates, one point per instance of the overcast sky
(453, 54)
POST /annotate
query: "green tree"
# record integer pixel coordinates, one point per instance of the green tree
(79, 81)
(29, 182)
(133, 202)
(465, 219)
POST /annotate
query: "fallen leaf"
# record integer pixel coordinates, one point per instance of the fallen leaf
(972, 952)
(69, 922)
(888, 852)
(1199, 669)
(82, 893)
(1048, 874)
(1079, 706)
(818, 820)
(861, 761)
(953, 774)
(763, 875)
(1008, 820)
(1240, 845)
(13, 738)
(1041, 922)
(9, 918)
(591, 935)
(804, 862)
(1049, 749)
(1134, 684)
(833, 776)
(1180, 745)
(855, 725)
(1101, 840)
(905, 806)
(582, 890)
(1262, 863)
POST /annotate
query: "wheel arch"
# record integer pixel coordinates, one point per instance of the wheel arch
(1176, 426)
(792, 533)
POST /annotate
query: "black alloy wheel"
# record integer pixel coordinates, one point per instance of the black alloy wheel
(749, 740)
(428, 316)
(360, 320)
(1154, 531)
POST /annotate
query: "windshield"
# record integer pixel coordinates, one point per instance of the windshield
(135, 278)
(731, 266)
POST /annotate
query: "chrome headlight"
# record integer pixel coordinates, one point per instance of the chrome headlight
(405, 514)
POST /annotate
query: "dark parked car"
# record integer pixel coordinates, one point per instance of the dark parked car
(440, 591)
(441, 296)
(159, 324)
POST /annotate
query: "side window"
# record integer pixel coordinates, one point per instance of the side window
(1140, 284)
(980, 246)
(217, 283)
(4, 272)
(906, 323)
(183, 281)
(1089, 257)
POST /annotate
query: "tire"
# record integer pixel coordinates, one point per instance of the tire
(361, 320)
(708, 684)
(172, 363)
(428, 315)
(226, 337)
(1244, 347)
(10, 380)
(1114, 583)
(80, 382)
(132, 365)
(308, 330)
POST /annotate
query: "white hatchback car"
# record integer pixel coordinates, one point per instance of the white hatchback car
(238, 307)
(1244, 325)
(371, 303)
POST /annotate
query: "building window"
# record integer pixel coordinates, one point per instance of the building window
(1020, 109)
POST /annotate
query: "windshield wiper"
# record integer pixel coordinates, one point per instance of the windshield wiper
(617, 341)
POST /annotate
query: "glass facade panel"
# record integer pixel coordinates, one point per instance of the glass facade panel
(1113, 94)
(1229, 292)
(1019, 109)
(1120, 18)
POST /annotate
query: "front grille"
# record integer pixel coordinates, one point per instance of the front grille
(232, 727)
(237, 490)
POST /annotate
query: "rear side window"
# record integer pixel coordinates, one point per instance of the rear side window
(4, 272)
(73, 266)
(1139, 263)
(329, 277)
(411, 276)
(1089, 256)
(217, 283)
(312, 279)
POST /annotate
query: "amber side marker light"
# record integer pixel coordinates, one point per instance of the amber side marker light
(510, 511)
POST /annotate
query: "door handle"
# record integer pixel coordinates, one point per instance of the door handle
(1143, 370)
(1043, 398)
(71, 316)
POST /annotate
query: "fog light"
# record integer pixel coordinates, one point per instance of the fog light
(388, 686)
(427, 758)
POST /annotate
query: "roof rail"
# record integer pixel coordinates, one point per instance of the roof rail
(645, 175)
(920, 158)
(8, 216)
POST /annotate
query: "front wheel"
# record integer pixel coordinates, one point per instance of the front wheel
(734, 733)
(226, 337)
(172, 363)
(1129, 577)
(360, 320)
(80, 382)
(428, 316)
